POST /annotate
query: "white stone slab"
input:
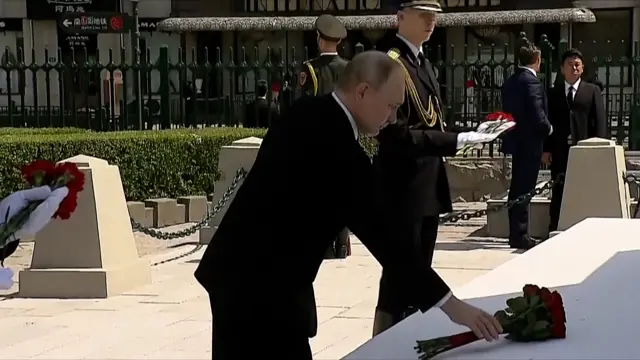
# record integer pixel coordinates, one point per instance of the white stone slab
(596, 267)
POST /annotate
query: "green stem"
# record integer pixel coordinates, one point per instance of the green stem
(8, 230)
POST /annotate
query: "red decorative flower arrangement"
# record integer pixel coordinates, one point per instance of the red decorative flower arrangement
(41, 173)
(537, 315)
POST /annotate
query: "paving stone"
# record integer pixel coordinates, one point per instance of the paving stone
(170, 318)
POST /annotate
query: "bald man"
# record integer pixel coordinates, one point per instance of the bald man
(261, 294)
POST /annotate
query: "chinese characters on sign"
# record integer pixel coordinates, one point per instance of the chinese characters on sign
(51, 9)
(93, 23)
(69, 8)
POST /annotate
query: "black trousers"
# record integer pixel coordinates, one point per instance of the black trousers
(524, 175)
(422, 234)
(558, 167)
(242, 330)
(340, 246)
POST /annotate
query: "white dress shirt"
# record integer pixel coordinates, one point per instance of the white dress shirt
(357, 136)
(329, 53)
(416, 51)
(575, 86)
(356, 133)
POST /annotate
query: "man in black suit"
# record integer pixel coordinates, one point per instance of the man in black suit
(260, 113)
(576, 111)
(409, 160)
(524, 97)
(261, 292)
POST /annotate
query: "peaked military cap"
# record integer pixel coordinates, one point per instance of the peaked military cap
(330, 28)
(424, 5)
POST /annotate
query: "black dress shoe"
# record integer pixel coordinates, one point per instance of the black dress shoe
(525, 243)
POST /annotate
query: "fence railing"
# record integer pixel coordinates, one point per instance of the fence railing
(214, 87)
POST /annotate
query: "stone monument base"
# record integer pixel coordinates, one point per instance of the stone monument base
(83, 283)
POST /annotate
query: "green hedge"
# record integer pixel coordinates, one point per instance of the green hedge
(41, 131)
(152, 164)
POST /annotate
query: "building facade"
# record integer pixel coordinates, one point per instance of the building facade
(33, 25)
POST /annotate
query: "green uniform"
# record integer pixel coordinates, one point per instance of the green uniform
(319, 76)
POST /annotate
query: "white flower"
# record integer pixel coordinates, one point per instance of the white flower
(6, 278)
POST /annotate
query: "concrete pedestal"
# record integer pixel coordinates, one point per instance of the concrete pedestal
(240, 154)
(594, 266)
(594, 184)
(93, 254)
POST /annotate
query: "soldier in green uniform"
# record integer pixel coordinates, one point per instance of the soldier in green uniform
(320, 74)
(317, 78)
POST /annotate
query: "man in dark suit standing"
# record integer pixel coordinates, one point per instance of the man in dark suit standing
(409, 161)
(524, 97)
(576, 111)
(261, 293)
(260, 113)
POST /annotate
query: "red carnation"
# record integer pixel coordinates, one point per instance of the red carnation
(36, 172)
(45, 173)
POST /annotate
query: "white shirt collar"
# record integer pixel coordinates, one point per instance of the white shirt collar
(574, 86)
(413, 48)
(530, 70)
(328, 53)
(346, 111)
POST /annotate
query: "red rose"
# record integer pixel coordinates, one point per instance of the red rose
(469, 84)
(558, 330)
(531, 290)
(545, 296)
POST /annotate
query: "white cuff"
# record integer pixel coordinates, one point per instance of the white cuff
(444, 299)
(550, 129)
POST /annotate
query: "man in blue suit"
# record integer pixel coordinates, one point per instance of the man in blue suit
(524, 97)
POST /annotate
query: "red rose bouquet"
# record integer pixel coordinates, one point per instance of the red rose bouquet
(537, 315)
(496, 123)
(44, 173)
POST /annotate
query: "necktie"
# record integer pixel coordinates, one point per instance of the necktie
(572, 120)
(422, 60)
(570, 96)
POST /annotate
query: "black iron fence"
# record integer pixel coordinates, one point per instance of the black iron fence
(213, 87)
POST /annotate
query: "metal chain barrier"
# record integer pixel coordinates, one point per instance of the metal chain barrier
(226, 196)
(454, 217)
(631, 179)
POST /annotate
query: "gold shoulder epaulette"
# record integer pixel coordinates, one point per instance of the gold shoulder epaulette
(394, 53)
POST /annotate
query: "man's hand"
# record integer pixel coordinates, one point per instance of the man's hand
(484, 325)
(546, 158)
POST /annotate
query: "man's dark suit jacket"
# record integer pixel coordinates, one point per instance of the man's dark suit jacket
(410, 154)
(523, 96)
(257, 114)
(587, 113)
(275, 232)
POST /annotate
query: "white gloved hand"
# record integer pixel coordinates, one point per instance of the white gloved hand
(6, 278)
(474, 138)
(41, 216)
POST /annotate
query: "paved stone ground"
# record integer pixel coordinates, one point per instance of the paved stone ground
(169, 319)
